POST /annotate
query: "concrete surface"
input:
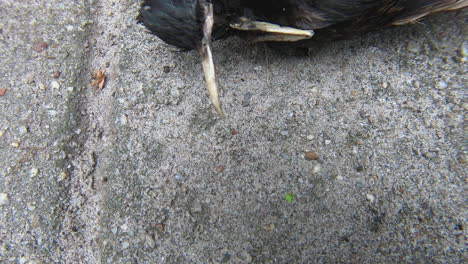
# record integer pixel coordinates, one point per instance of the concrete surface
(143, 171)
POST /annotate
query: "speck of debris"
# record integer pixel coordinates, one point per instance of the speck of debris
(311, 156)
(166, 69)
(234, 132)
(39, 46)
(219, 168)
(359, 168)
(57, 74)
(2, 91)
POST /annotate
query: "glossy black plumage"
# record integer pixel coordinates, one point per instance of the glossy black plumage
(178, 22)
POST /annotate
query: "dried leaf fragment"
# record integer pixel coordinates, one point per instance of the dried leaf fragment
(99, 77)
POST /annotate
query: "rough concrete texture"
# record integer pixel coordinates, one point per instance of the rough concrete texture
(143, 171)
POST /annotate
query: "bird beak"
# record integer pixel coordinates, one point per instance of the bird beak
(207, 60)
(265, 31)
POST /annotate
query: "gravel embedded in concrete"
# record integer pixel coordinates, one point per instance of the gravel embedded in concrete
(90, 175)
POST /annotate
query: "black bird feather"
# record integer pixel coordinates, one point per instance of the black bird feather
(179, 22)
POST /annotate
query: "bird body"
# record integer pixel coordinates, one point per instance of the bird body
(190, 24)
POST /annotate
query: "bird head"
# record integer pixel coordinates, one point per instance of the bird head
(186, 24)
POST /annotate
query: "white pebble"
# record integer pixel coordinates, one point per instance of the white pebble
(442, 85)
(33, 172)
(340, 178)
(327, 142)
(310, 137)
(54, 85)
(317, 169)
(4, 200)
(23, 130)
(123, 120)
(370, 197)
(42, 86)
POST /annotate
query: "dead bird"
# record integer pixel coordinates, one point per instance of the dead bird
(192, 24)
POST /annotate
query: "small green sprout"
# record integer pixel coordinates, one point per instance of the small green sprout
(289, 197)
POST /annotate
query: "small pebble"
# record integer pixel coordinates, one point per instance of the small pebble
(340, 178)
(69, 27)
(42, 86)
(15, 144)
(123, 120)
(40, 46)
(370, 197)
(57, 74)
(23, 130)
(311, 156)
(33, 172)
(70, 89)
(31, 206)
(63, 175)
(413, 47)
(149, 241)
(125, 245)
(234, 132)
(219, 168)
(2, 91)
(384, 85)
(36, 221)
(327, 142)
(179, 177)
(317, 169)
(310, 137)
(442, 85)
(284, 133)
(464, 52)
(29, 78)
(55, 85)
(4, 200)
